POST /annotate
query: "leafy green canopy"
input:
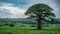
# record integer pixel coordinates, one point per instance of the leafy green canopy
(42, 10)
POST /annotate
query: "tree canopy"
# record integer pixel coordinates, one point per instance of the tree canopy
(40, 12)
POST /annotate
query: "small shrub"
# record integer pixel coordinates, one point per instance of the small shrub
(11, 25)
(1, 25)
(6, 24)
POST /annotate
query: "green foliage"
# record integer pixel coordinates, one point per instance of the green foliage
(11, 25)
(36, 7)
(40, 10)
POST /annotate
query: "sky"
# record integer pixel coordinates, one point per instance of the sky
(17, 8)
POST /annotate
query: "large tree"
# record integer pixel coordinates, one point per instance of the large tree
(40, 12)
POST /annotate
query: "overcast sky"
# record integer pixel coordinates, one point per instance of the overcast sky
(17, 8)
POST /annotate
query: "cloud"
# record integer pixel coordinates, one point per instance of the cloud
(55, 9)
(58, 5)
(10, 11)
(20, 3)
(17, 8)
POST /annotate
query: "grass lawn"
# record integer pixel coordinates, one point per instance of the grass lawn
(26, 29)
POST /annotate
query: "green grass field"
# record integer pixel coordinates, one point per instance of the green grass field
(20, 28)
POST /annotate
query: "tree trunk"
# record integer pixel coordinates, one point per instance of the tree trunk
(39, 15)
(39, 24)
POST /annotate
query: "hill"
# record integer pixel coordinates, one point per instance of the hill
(27, 21)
